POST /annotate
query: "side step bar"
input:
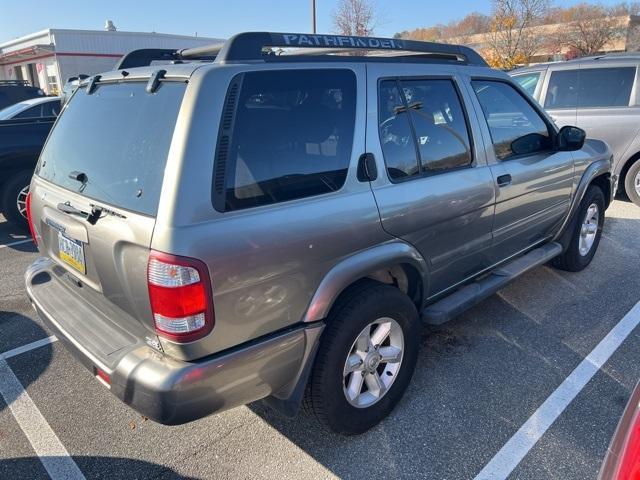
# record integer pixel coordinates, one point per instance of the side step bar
(466, 297)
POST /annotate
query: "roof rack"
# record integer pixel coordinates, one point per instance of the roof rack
(258, 46)
(614, 55)
(21, 83)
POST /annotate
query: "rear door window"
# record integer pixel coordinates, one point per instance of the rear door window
(51, 109)
(562, 91)
(292, 137)
(32, 112)
(528, 81)
(396, 135)
(422, 126)
(605, 87)
(119, 137)
(439, 122)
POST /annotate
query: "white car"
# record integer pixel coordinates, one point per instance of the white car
(32, 108)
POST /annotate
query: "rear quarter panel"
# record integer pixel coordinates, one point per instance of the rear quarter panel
(265, 262)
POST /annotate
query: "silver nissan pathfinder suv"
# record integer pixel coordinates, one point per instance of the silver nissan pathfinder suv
(273, 219)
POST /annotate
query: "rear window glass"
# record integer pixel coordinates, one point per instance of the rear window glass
(606, 87)
(562, 91)
(292, 137)
(119, 137)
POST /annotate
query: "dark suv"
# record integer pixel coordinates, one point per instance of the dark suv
(278, 222)
(14, 91)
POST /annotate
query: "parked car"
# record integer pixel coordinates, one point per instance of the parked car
(13, 91)
(38, 107)
(279, 226)
(600, 95)
(24, 127)
(622, 461)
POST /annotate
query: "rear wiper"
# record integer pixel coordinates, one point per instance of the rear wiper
(97, 212)
(92, 217)
(70, 209)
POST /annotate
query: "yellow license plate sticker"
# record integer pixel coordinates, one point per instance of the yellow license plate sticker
(71, 252)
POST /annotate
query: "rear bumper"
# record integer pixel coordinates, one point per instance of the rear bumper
(164, 389)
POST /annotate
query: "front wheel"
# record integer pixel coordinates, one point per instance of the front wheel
(366, 359)
(586, 234)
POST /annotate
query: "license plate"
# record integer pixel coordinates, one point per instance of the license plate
(71, 252)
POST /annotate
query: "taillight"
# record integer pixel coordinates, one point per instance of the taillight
(32, 228)
(628, 465)
(180, 295)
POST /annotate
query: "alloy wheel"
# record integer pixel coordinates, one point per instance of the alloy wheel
(373, 362)
(589, 229)
(21, 201)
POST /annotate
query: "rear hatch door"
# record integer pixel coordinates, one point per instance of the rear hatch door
(96, 191)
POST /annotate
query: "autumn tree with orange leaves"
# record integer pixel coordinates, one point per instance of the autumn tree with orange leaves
(511, 41)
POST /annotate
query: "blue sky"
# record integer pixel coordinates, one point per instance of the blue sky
(218, 18)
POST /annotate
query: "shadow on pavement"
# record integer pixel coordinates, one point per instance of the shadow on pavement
(91, 466)
(23, 331)
(481, 376)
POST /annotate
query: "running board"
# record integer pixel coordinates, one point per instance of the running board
(466, 297)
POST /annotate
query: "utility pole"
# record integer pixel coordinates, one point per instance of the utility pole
(313, 16)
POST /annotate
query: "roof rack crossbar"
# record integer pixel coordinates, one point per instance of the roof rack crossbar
(145, 56)
(250, 46)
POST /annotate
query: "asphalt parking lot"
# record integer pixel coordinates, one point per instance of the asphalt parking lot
(478, 380)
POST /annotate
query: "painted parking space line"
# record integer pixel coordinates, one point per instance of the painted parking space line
(15, 243)
(54, 457)
(28, 347)
(43, 440)
(517, 447)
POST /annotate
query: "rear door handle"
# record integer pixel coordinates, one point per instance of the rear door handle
(504, 180)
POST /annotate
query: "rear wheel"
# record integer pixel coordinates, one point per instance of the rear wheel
(14, 197)
(366, 359)
(632, 183)
(586, 233)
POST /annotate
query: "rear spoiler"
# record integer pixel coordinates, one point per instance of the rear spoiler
(251, 46)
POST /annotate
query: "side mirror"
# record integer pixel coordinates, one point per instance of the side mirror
(571, 138)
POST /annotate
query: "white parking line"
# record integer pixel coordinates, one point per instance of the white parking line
(512, 453)
(28, 346)
(45, 442)
(15, 243)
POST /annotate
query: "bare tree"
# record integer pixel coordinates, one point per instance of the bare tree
(625, 8)
(355, 17)
(589, 28)
(510, 39)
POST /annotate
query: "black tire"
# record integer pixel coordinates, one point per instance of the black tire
(325, 396)
(9, 197)
(572, 260)
(629, 183)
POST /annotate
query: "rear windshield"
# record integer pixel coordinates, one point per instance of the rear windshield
(119, 138)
